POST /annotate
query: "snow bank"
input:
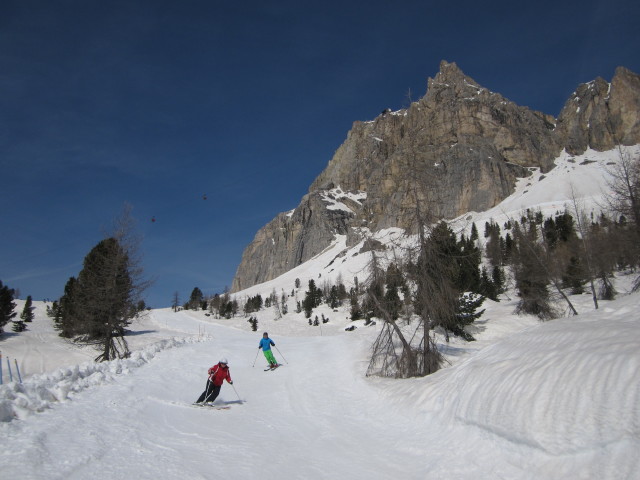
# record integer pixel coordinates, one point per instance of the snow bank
(18, 400)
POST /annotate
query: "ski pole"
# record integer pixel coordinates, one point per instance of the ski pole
(254, 361)
(206, 395)
(281, 354)
(234, 389)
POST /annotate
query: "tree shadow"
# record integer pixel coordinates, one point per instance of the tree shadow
(4, 335)
(129, 333)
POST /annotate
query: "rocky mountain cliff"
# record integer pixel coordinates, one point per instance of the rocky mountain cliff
(459, 148)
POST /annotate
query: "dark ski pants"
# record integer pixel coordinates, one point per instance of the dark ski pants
(210, 393)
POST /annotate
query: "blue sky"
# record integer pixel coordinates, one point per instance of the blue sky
(158, 103)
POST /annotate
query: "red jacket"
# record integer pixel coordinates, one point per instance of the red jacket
(219, 373)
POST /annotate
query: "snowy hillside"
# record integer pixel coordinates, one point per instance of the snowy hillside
(527, 400)
(556, 400)
(583, 178)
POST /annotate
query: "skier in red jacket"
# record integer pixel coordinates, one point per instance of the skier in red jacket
(217, 375)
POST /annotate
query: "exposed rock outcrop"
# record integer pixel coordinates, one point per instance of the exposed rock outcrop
(459, 148)
(294, 237)
(600, 115)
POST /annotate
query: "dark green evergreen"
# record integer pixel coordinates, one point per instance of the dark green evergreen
(103, 300)
(253, 321)
(355, 312)
(27, 314)
(333, 300)
(312, 299)
(448, 269)
(466, 313)
(7, 305)
(195, 300)
(253, 304)
(474, 232)
(18, 326)
(575, 276)
(531, 277)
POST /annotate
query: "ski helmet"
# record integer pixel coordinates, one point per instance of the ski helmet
(265, 333)
(224, 360)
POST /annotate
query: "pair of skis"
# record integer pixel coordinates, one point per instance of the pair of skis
(273, 368)
(211, 406)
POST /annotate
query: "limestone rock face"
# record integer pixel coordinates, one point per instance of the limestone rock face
(600, 115)
(459, 148)
(294, 237)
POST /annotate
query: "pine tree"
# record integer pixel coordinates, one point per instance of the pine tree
(195, 300)
(7, 306)
(474, 232)
(104, 300)
(466, 313)
(253, 321)
(342, 293)
(497, 277)
(312, 299)
(284, 304)
(392, 302)
(19, 326)
(333, 299)
(97, 306)
(508, 248)
(493, 248)
(468, 259)
(487, 286)
(575, 276)
(65, 321)
(53, 311)
(532, 279)
(254, 304)
(27, 312)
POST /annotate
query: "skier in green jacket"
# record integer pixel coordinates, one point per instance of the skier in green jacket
(265, 345)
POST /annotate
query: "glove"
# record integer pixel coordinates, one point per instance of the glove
(230, 383)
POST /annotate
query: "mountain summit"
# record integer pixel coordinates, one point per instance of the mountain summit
(459, 148)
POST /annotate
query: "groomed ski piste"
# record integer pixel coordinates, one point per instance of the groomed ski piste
(527, 400)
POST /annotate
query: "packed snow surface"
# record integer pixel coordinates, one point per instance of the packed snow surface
(528, 400)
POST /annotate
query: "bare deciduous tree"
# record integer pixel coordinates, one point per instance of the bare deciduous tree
(584, 232)
(414, 352)
(623, 199)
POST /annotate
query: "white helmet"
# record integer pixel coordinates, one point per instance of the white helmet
(224, 360)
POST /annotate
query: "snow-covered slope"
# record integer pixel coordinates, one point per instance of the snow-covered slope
(556, 400)
(580, 180)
